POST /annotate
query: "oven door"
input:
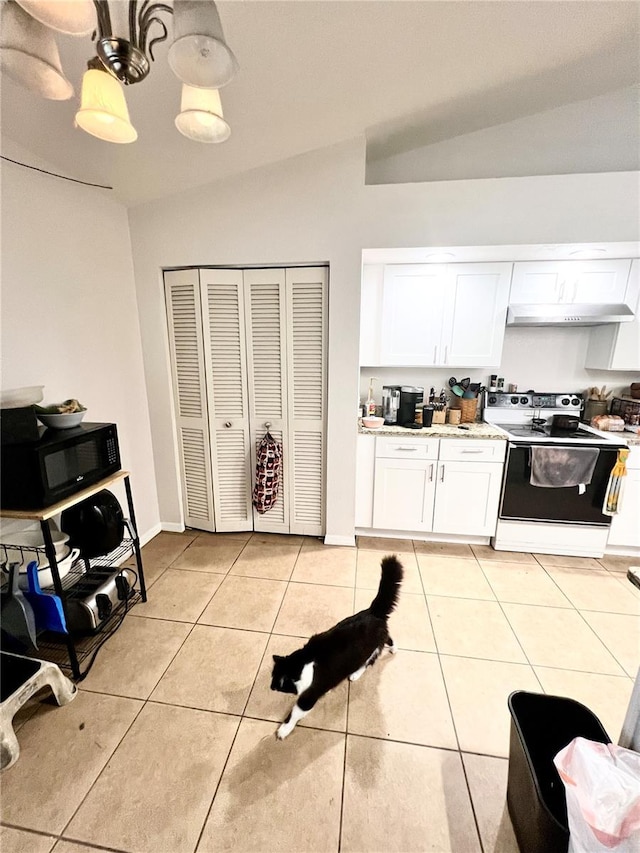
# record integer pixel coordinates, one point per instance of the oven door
(523, 502)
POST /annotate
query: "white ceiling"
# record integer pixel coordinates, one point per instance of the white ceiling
(312, 74)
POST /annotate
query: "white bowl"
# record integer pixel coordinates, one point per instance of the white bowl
(372, 422)
(33, 539)
(44, 572)
(62, 421)
(14, 398)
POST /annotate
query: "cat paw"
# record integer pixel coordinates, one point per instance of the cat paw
(393, 649)
(283, 731)
(356, 675)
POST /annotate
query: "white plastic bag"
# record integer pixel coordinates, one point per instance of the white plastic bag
(602, 784)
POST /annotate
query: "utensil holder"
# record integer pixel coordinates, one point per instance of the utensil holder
(593, 408)
(440, 417)
(468, 409)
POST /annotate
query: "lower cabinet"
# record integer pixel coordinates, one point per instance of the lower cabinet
(430, 486)
(467, 498)
(625, 529)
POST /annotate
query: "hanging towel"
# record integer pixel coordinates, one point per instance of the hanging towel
(563, 467)
(613, 496)
(268, 466)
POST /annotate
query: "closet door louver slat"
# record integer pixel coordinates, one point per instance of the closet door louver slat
(187, 362)
(266, 372)
(226, 375)
(306, 380)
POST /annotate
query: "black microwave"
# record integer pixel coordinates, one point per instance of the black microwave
(61, 462)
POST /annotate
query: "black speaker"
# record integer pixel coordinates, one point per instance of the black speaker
(95, 525)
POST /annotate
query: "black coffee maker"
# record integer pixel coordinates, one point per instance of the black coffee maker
(410, 398)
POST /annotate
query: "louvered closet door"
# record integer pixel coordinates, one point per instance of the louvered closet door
(267, 377)
(223, 312)
(306, 290)
(187, 361)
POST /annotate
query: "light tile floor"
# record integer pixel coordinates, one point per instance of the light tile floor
(170, 746)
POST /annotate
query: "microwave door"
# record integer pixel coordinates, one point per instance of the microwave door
(71, 464)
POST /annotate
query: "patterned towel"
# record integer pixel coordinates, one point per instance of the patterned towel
(563, 467)
(268, 466)
(613, 496)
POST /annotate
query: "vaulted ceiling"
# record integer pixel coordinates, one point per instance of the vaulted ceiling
(312, 74)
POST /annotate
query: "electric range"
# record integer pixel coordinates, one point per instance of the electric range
(552, 520)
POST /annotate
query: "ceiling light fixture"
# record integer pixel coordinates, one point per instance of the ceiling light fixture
(198, 55)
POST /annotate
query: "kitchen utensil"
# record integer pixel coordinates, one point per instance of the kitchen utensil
(458, 390)
(464, 383)
(47, 608)
(453, 381)
(562, 424)
(469, 395)
(18, 619)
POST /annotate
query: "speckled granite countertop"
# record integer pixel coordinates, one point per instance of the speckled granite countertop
(438, 431)
(632, 438)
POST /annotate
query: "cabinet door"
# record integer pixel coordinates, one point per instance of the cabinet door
(222, 294)
(476, 314)
(266, 333)
(365, 468)
(404, 493)
(371, 314)
(600, 282)
(467, 497)
(184, 315)
(616, 346)
(412, 314)
(537, 282)
(625, 527)
(306, 304)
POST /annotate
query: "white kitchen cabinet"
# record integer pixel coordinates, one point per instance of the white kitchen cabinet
(467, 498)
(404, 494)
(371, 314)
(625, 526)
(448, 486)
(616, 346)
(438, 315)
(365, 468)
(571, 282)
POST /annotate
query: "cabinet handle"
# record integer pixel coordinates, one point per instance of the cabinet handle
(228, 424)
(407, 449)
(435, 355)
(561, 298)
(472, 451)
(431, 473)
(446, 354)
(442, 475)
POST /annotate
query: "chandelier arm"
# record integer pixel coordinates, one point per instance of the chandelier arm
(133, 27)
(147, 18)
(157, 39)
(104, 18)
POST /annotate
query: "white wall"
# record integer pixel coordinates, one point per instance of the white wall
(316, 208)
(69, 312)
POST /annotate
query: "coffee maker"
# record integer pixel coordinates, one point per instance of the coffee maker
(410, 398)
(390, 404)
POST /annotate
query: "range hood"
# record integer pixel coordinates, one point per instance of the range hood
(568, 314)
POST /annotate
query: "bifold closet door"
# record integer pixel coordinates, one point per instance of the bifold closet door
(306, 302)
(266, 333)
(182, 293)
(225, 363)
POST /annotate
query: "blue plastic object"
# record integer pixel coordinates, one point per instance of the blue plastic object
(46, 607)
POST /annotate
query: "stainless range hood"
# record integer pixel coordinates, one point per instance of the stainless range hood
(555, 314)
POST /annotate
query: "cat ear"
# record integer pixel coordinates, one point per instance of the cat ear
(276, 658)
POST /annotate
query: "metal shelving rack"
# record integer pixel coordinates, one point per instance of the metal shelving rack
(69, 650)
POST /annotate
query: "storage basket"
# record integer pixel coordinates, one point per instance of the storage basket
(468, 409)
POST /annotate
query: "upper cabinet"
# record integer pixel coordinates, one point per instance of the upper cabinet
(434, 315)
(571, 282)
(617, 346)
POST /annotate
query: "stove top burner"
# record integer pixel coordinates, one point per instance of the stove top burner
(543, 433)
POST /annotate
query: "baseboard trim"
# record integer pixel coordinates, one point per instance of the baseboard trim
(172, 527)
(348, 541)
(148, 535)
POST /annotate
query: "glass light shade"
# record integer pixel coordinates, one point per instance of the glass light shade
(103, 110)
(29, 54)
(199, 55)
(74, 17)
(200, 116)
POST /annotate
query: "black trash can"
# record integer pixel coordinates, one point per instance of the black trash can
(540, 727)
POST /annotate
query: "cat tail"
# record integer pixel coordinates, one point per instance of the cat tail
(389, 590)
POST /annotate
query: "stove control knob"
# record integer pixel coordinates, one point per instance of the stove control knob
(575, 401)
(565, 401)
(524, 400)
(492, 400)
(514, 401)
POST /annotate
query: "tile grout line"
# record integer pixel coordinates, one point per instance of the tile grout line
(346, 725)
(446, 692)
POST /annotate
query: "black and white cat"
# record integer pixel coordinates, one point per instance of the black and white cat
(344, 651)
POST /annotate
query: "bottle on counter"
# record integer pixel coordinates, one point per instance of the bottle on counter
(493, 383)
(371, 403)
(500, 386)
